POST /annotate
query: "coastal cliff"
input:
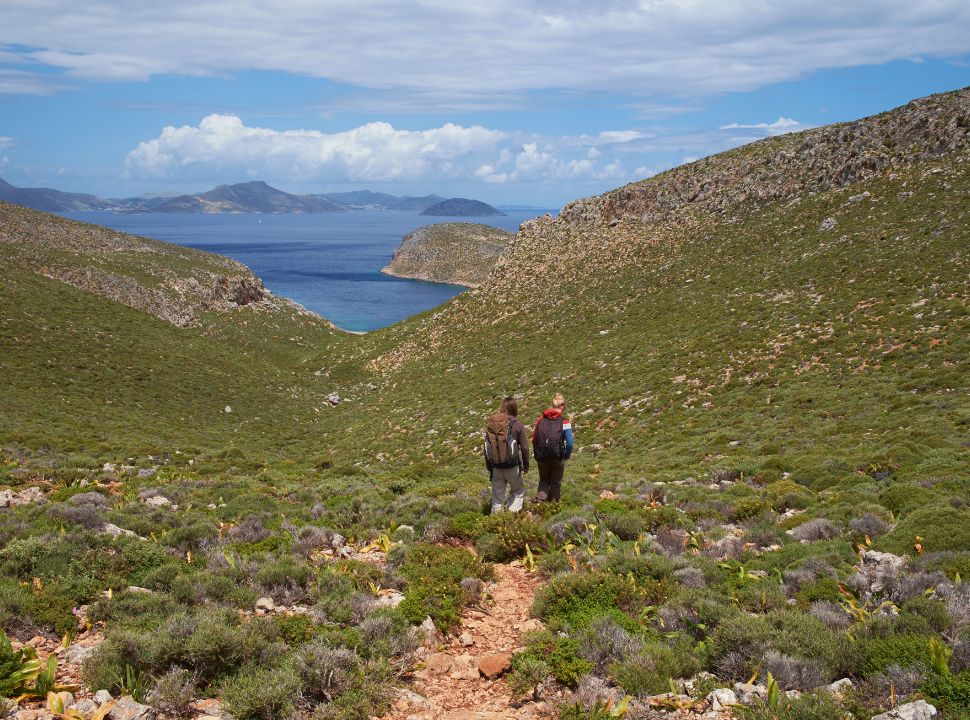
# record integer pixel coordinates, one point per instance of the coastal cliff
(455, 253)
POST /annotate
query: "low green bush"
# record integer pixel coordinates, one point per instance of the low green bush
(875, 654)
(262, 693)
(574, 601)
(651, 670)
(503, 536)
(941, 528)
(433, 578)
(555, 653)
(950, 694)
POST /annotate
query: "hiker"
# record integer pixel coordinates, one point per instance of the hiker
(552, 444)
(506, 456)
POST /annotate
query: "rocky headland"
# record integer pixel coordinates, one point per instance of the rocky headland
(455, 253)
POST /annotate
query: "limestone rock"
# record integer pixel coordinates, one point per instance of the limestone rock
(466, 640)
(127, 708)
(491, 666)
(102, 696)
(265, 604)
(158, 501)
(721, 699)
(85, 706)
(464, 667)
(919, 710)
(839, 686)
(438, 663)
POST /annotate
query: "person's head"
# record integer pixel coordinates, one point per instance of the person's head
(509, 406)
(558, 401)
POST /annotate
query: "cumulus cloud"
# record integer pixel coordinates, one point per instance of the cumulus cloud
(5, 141)
(500, 49)
(377, 152)
(779, 127)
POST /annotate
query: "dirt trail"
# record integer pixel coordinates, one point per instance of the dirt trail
(450, 686)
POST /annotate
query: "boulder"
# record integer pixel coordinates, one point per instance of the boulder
(127, 708)
(722, 699)
(464, 667)
(438, 663)
(85, 706)
(265, 604)
(102, 696)
(919, 710)
(158, 501)
(839, 686)
(491, 666)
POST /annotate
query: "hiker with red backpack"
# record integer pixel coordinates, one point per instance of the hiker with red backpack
(506, 456)
(552, 444)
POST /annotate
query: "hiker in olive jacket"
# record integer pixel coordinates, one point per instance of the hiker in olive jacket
(506, 456)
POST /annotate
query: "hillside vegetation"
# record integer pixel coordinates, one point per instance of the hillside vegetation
(766, 356)
(456, 253)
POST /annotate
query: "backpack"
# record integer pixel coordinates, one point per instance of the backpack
(501, 447)
(549, 443)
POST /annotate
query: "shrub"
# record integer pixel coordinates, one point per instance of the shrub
(576, 600)
(325, 672)
(605, 642)
(940, 527)
(465, 525)
(560, 654)
(503, 536)
(869, 524)
(950, 694)
(876, 654)
(814, 530)
(261, 693)
(811, 706)
(793, 673)
(649, 672)
(434, 575)
(786, 494)
(173, 693)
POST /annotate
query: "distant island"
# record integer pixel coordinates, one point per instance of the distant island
(249, 197)
(455, 253)
(462, 207)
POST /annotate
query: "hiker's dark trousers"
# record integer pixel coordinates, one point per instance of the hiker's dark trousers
(550, 479)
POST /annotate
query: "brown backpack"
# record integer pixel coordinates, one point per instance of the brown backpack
(501, 446)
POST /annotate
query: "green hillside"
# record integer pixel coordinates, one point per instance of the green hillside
(774, 339)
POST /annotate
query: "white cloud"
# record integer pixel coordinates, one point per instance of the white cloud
(5, 141)
(499, 49)
(779, 127)
(223, 146)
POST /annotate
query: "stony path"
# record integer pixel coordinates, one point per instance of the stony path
(453, 682)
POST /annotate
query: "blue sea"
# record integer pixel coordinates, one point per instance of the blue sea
(329, 263)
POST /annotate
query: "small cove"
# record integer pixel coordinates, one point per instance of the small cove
(330, 263)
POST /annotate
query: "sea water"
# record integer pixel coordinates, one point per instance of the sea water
(329, 263)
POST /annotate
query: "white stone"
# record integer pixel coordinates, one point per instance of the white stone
(102, 696)
(839, 686)
(158, 501)
(266, 603)
(466, 639)
(722, 699)
(919, 710)
(228, 409)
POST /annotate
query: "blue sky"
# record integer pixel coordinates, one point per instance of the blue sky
(532, 102)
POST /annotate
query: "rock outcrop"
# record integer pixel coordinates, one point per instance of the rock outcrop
(456, 253)
(174, 283)
(791, 165)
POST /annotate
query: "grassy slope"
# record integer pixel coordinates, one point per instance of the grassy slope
(749, 340)
(814, 345)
